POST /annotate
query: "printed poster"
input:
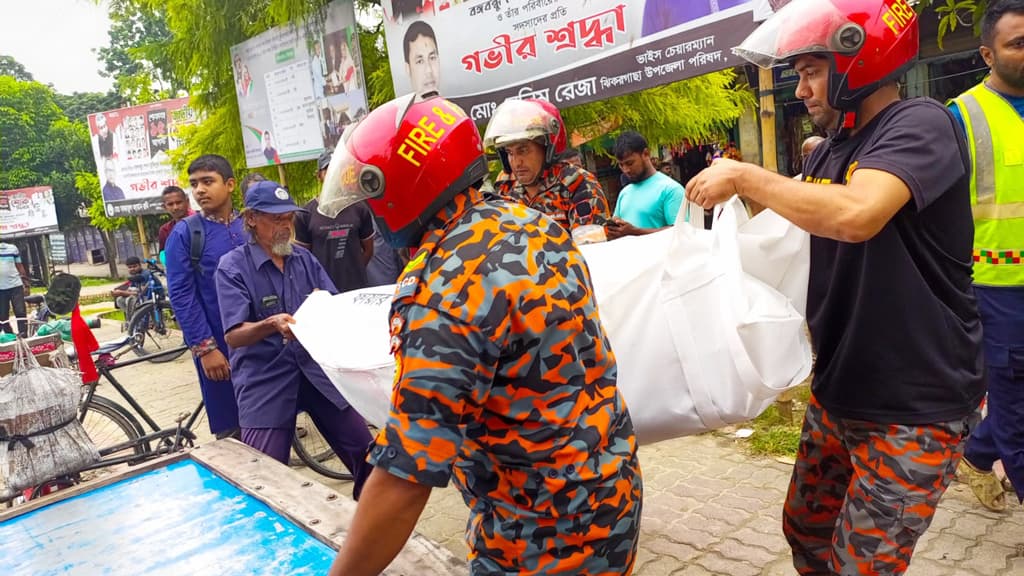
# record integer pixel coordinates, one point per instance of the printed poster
(298, 88)
(130, 147)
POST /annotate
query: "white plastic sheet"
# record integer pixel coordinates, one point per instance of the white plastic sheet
(707, 326)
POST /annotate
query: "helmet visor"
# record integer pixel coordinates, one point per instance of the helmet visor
(519, 120)
(348, 181)
(801, 27)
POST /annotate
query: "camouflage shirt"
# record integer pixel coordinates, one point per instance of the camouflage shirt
(506, 384)
(559, 186)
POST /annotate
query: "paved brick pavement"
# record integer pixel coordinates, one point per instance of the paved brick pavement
(709, 508)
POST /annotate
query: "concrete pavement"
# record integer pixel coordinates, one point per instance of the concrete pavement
(709, 508)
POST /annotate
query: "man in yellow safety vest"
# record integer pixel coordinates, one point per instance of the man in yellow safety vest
(992, 115)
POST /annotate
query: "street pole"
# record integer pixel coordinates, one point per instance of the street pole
(142, 237)
(770, 154)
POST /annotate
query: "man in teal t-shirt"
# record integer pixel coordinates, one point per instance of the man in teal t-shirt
(651, 201)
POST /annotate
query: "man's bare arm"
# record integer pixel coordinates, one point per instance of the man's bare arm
(388, 510)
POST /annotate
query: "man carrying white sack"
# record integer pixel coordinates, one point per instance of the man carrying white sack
(893, 320)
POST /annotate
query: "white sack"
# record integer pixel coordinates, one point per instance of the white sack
(707, 326)
(348, 336)
(699, 342)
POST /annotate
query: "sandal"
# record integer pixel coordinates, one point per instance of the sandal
(985, 486)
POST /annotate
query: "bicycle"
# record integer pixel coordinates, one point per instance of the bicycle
(150, 320)
(118, 435)
(312, 449)
(117, 432)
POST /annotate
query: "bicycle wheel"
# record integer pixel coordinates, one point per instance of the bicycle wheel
(313, 450)
(108, 424)
(154, 332)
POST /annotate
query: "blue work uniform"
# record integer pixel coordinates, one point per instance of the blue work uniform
(274, 379)
(194, 300)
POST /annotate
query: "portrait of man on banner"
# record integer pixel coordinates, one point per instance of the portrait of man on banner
(111, 191)
(664, 14)
(103, 136)
(422, 64)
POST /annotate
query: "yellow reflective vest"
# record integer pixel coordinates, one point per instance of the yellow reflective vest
(995, 133)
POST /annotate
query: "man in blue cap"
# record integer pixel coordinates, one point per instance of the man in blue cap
(262, 284)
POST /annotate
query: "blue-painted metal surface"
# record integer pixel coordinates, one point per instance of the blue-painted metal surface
(178, 520)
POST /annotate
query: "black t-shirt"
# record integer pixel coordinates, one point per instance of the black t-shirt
(894, 320)
(336, 242)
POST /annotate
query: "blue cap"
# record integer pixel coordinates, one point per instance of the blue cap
(270, 197)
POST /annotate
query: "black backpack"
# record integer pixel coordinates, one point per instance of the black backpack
(196, 241)
(63, 292)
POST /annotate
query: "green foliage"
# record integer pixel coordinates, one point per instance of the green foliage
(953, 13)
(11, 67)
(79, 105)
(776, 434)
(696, 108)
(40, 146)
(88, 185)
(135, 57)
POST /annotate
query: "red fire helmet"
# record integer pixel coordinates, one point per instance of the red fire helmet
(531, 119)
(407, 159)
(869, 42)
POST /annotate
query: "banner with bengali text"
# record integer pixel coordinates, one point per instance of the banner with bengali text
(130, 147)
(27, 212)
(570, 52)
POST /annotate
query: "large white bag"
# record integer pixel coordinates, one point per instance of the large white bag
(699, 342)
(347, 335)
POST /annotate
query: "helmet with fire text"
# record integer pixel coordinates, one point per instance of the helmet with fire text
(407, 159)
(526, 120)
(868, 43)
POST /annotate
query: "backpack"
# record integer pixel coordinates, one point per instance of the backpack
(196, 241)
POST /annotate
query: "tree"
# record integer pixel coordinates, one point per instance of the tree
(11, 67)
(39, 146)
(79, 105)
(953, 13)
(135, 57)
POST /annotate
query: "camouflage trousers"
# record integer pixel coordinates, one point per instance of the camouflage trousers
(863, 493)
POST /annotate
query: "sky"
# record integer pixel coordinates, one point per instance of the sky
(55, 41)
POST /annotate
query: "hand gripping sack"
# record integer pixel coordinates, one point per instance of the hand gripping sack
(700, 342)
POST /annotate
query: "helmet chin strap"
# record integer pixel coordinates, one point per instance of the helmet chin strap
(849, 120)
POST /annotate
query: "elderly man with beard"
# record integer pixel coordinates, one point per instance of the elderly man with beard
(261, 284)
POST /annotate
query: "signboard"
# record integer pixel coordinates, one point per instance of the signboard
(298, 88)
(482, 52)
(27, 212)
(130, 147)
(58, 249)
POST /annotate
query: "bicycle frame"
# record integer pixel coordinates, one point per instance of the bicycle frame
(105, 367)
